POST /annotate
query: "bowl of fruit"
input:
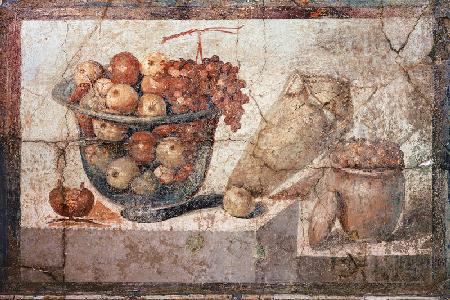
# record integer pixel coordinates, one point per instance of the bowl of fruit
(147, 128)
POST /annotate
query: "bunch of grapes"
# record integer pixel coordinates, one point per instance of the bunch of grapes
(190, 86)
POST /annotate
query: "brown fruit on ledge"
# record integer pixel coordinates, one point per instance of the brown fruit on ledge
(71, 202)
(238, 202)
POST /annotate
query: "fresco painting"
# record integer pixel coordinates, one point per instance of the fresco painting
(240, 151)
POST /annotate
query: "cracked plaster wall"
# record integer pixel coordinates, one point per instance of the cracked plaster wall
(386, 61)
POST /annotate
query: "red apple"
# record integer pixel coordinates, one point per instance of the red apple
(141, 147)
(124, 68)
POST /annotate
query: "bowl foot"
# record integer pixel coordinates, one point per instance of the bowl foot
(144, 214)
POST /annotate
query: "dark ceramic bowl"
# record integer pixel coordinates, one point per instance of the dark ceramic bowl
(168, 199)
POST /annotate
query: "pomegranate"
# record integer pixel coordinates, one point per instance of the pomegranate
(102, 86)
(95, 103)
(71, 202)
(153, 64)
(98, 156)
(150, 85)
(108, 131)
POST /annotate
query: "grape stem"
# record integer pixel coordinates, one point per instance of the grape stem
(230, 30)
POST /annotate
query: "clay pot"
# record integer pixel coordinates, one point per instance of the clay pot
(371, 201)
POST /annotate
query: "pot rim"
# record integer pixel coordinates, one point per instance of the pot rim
(370, 172)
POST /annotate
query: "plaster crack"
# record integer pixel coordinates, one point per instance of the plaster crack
(47, 273)
(86, 39)
(405, 42)
(264, 64)
(258, 107)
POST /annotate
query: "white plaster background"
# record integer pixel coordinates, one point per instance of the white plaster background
(385, 85)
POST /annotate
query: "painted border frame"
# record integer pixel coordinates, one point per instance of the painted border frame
(13, 12)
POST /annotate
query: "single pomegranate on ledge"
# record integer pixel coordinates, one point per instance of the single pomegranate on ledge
(71, 202)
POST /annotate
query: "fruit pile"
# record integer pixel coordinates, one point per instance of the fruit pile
(363, 154)
(159, 87)
(143, 161)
